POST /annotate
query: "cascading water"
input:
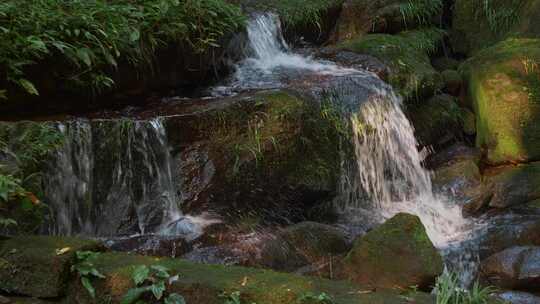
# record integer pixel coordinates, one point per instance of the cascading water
(385, 175)
(112, 177)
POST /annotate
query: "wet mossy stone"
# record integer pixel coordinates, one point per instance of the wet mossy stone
(303, 244)
(396, 254)
(514, 185)
(437, 121)
(203, 284)
(32, 265)
(504, 86)
(411, 73)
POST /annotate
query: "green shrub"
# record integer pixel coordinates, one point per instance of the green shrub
(89, 38)
(448, 291)
(420, 11)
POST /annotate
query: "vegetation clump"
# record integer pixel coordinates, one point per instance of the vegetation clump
(84, 41)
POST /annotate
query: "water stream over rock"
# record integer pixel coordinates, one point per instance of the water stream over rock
(114, 177)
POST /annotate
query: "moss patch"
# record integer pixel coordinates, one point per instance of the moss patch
(32, 266)
(504, 85)
(202, 284)
(412, 74)
(396, 254)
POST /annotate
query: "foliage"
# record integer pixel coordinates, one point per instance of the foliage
(10, 188)
(84, 266)
(425, 40)
(301, 12)
(448, 291)
(92, 37)
(311, 298)
(421, 11)
(501, 15)
(153, 281)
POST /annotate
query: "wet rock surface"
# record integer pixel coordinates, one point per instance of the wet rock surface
(518, 297)
(513, 268)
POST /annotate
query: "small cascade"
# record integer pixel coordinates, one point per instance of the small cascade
(384, 176)
(112, 177)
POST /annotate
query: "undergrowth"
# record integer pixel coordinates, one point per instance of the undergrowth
(301, 12)
(449, 291)
(501, 15)
(84, 41)
(420, 11)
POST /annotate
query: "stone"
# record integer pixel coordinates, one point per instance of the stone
(505, 233)
(518, 297)
(514, 185)
(505, 93)
(445, 63)
(355, 60)
(437, 122)
(513, 268)
(303, 244)
(395, 254)
(33, 266)
(411, 73)
(452, 82)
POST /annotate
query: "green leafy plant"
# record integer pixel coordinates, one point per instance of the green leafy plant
(420, 11)
(501, 15)
(91, 38)
(449, 291)
(152, 281)
(231, 298)
(311, 298)
(86, 269)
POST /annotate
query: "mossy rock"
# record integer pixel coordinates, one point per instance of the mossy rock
(411, 71)
(32, 265)
(360, 17)
(396, 254)
(452, 82)
(480, 24)
(504, 86)
(514, 185)
(438, 121)
(303, 244)
(202, 284)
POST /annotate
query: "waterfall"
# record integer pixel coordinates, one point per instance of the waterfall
(384, 176)
(111, 177)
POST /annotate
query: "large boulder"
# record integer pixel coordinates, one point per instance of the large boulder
(303, 244)
(504, 233)
(39, 266)
(396, 254)
(504, 88)
(478, 24)
(411, 72)
(513, 268)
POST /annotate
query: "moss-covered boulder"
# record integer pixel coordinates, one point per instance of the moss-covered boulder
(203, 284)
(437, 121)
(396, 254)
(480, 24)
(39, 266)
(304, 244)
(359, 17)
(504, 86)
(411, 72)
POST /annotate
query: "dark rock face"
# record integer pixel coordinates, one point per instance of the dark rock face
(513, 268)
(507, 233)
(303, 244)
(152, 245)
(515, 185)
(33, 266)
(356, 61)
(398, 253)
(518, 297)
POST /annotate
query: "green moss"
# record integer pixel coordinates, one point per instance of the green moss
(32, 266)
(503, 83)
(398, 253)
(407, 55)
(201, 284)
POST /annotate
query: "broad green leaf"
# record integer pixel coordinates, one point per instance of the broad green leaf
(97, 274)
(135, 35)
(158, 289)
(175, 298)
(133, 295)
(140, 274)
(88, 286)
(28, 86)
(161, 271)
(84, 55)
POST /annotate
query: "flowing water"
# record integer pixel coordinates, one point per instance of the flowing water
(110, 170)
(385, 175)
